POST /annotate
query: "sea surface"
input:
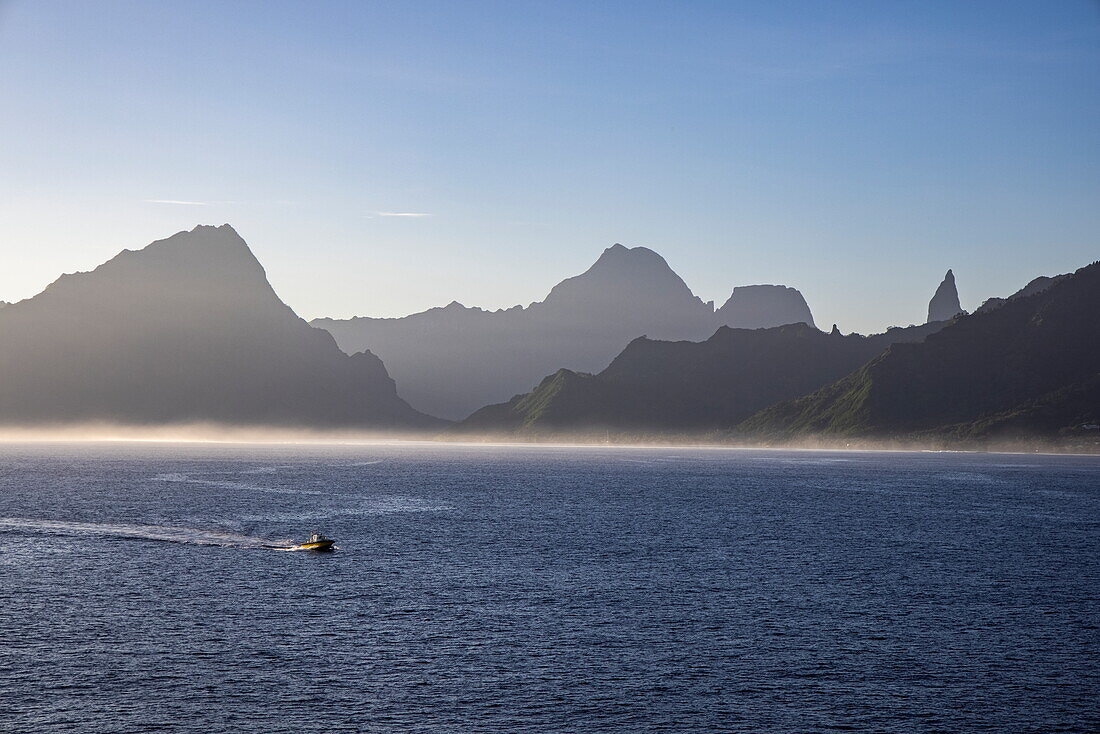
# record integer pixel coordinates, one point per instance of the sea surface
(542, 589)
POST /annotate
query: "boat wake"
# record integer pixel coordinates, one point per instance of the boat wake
(376, 505)
(190, 536)
(231, 484)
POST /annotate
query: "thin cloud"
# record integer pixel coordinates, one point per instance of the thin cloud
(176, 201)
(403, 214)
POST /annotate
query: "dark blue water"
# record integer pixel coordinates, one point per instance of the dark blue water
(542, 590)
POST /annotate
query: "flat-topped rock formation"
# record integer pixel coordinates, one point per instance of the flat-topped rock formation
(764, 306)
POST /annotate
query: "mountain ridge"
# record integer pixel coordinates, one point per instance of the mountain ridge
(582, 323)
(187, 329)
(966, 379)
(654, 386)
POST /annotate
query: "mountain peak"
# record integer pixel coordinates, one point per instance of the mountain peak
(186, 329)
(222, 234)
(209, 261)
(763, 306)
(945, 303)
(204, 237)
(624, 275)
(620, 254)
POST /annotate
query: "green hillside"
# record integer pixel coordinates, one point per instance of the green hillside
(659, 386)
(1030, 366)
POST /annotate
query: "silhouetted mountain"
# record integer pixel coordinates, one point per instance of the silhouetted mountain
(763, 306)
(185, 330)
(659, 386)
(632, 289)
(450, 361)
(1038, 285)
(945, 302)
(1029, 366)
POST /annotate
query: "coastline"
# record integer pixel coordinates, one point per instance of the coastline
(251, 435)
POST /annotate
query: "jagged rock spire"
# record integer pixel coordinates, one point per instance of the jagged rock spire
(945, 303)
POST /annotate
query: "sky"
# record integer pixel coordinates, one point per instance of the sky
(386, 157)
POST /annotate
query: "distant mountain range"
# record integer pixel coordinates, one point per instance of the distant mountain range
(185, 330)
(1029, 365)
(658, 386)
(451, 361)
(1023, 366)
(188, 330)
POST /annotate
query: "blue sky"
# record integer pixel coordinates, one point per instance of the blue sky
(852, 150)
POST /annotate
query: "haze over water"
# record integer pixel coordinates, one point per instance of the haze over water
(546, 589)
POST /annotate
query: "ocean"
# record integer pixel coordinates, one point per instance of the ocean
(546, 589)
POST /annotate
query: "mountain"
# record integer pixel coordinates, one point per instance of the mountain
(450, 361)
(945, 302)
(1038, 285)
(1030, 366)
(763, 306)
(185, 330)
(661, 386)
(631, 290)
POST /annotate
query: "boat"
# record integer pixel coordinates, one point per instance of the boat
(316, 542)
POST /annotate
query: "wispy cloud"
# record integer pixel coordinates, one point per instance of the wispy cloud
(177, 201)
(403, 214)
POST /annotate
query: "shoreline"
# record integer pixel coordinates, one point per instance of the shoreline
(1040, 447)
